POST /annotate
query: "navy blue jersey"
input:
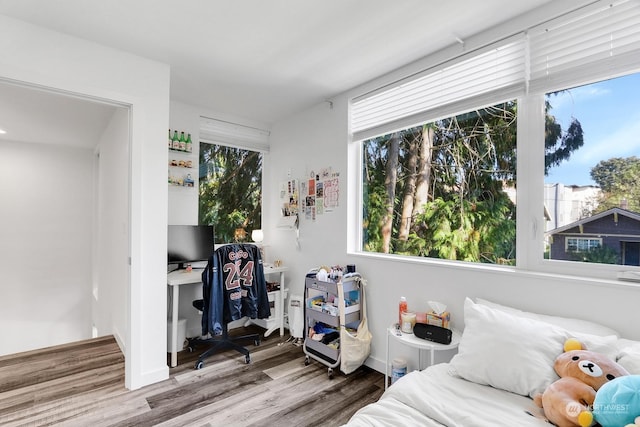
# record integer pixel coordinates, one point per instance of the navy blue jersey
(234, 286)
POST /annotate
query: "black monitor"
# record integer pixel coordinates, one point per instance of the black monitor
(189, 244)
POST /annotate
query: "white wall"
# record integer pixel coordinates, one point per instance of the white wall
(45, 58)
(45, 245)
(318, 137)
(111, 229)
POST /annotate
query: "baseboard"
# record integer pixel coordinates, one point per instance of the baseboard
(120, 341)
(148, 378)
(377, 364)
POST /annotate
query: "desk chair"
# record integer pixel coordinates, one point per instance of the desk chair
(221, 343)
(232, 270)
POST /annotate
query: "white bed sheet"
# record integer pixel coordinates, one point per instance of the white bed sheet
(433, 397)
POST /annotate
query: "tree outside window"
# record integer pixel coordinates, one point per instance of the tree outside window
(444, 189)
(230, 191)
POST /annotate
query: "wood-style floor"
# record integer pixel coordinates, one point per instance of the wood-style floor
(82, 384)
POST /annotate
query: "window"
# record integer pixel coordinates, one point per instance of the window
(591, 179)
(468, 211)
(230, 193)
(444, 189)
(581, 244)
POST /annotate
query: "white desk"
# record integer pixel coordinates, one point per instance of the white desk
(177, 278)
(421, 344)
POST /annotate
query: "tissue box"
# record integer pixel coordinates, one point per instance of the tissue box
(441, 320)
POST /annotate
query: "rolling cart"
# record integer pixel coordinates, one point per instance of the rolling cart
(322, 316)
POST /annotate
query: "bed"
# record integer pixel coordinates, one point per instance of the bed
(505, 357)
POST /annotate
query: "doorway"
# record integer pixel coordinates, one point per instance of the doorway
(65, 220)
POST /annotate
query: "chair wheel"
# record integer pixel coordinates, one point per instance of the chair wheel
(330, 373)
(256, 342)
(306, 361)
(199, 364)
(247, 359)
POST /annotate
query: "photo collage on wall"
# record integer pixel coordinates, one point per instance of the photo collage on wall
(316, 195)
(320, 193)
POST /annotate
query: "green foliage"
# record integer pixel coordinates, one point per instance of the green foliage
(472, 164)
(618, 179)
(230, 190)
(600, 255)
(469, 216)
(559, 145)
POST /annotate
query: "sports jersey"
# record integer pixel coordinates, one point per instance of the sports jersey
(234, 286)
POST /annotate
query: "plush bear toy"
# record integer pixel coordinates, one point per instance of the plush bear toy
(568, 401)
(617, 402)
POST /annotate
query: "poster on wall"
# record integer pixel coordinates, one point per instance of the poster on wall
(320, 193)
(289, 197)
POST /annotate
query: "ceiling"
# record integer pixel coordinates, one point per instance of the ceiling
(264, 60)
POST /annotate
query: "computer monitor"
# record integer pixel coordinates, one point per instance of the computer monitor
(189, 244)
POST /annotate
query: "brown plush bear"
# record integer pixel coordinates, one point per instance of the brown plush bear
(568, 401)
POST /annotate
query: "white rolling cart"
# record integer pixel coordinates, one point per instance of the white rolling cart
(322, 307)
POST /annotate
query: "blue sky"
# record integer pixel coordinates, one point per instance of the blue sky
(609, 113)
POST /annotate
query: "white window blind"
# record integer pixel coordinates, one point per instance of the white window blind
(447, 89)
(597, 42)
(222, 132)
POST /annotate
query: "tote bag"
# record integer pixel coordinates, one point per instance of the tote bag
(354, 349)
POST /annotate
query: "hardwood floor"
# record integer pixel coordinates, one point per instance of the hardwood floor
(82, 384)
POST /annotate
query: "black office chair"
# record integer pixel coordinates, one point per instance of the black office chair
(250, 258)
(222, 342)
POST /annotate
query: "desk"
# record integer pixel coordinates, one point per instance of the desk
(175, 279)
(421, 344)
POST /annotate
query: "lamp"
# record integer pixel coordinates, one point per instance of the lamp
(257, 236)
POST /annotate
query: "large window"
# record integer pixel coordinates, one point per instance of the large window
(437, 150)
(444, 189)
(593, 187)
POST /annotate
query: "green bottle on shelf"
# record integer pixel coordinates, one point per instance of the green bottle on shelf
(183, 142)
(175, 141)
(188, 146)
(170, 140)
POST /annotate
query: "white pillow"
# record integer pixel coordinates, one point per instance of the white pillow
(505, 351)
(568, 323)
(514, 352)
(629, 356)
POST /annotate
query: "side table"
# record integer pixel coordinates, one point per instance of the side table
(421, 344)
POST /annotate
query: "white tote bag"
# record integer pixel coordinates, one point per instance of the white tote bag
(354, 349)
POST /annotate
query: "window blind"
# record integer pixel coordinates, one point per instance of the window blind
(597, 42)
(221, 132)
(447, 89)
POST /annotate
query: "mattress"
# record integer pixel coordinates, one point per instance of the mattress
(434, 397)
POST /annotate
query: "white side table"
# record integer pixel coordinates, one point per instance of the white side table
(421, 344)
